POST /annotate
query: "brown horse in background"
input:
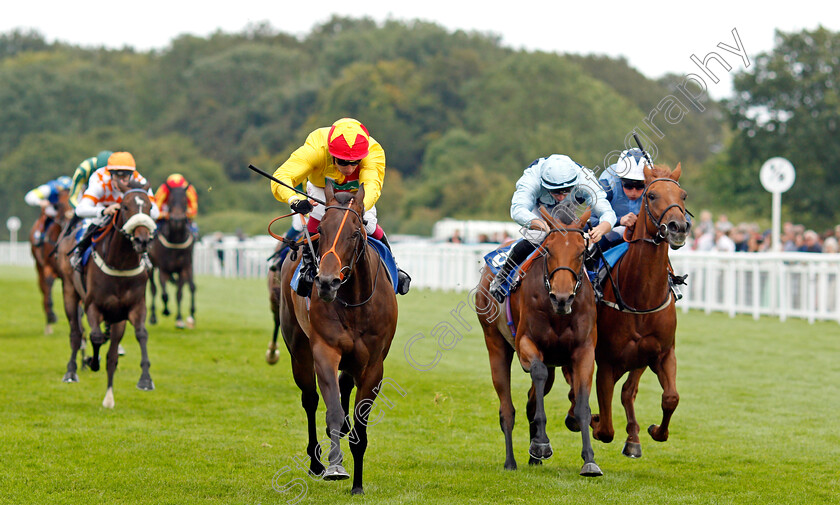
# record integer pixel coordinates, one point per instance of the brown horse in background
(114, 286)
(637, 319)
(44, 254)
(172, 255)
(553, 312)
(347, 325)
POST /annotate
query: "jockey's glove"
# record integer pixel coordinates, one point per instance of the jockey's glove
(301, 206)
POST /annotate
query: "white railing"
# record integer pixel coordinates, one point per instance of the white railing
(783, 285)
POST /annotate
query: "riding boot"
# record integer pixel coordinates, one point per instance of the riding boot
(517, 254)
(307, 272)
(403, 279)
(81, 247)
(673, 283)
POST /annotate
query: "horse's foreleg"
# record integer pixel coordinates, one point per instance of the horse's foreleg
(117, 332)
(633, 446)
(163, 277)
(179, 319)
(191, 318)
(501, 357)
(602, 425)
(71, 310)
(345, 386)
(583, 366)
(666, 370)
(531, 411)
(97, 338)
(137, 317)
(153, 287)
(530, 358)
(45, 285)
(326, 368)
(365, 396)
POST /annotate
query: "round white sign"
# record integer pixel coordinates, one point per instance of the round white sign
(13, 223)
(777, 175)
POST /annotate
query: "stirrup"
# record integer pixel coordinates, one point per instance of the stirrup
(403, 281)
(496, 289)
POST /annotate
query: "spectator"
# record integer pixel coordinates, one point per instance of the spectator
(723, 224)
(705, 225)
(810, 242)
(703, 240)
(830, 245)
(456, 237)
(740, 236)
(723, 242)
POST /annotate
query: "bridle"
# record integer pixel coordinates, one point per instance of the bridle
(359, 236)
(578, 275)
(661, 229)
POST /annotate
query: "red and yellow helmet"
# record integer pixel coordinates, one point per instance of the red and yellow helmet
(348, 139)
(176, 181)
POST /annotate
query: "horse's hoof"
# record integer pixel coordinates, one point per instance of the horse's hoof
(357, 490)
(108, 401)
(540, 450)
(632, 450)
(511, 465)
(179, 324)
(145, 384)
(653, 430)
(48, 329)
(191, 323)
(336, 472)
(572, 423)
(165, 312)
(591, 470)
(272, 356)
(152, 319)
(93, 364)
(70, 377)
(534, 461)
(51, 318)
(120, 350)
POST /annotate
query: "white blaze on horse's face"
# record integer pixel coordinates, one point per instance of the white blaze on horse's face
(139, 201)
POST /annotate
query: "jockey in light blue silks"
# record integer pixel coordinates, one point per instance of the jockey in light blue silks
(547, 182)
(624, 184)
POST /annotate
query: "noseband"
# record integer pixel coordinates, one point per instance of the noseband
(578, 276)
(661, 229)
(359, 236)
(137, 220)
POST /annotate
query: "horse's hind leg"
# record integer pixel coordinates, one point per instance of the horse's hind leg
(571, 421)
(666, 370)
(137, 316)
(97, 338)
(531, 411)
(632, 447)
(345, 386)
(179, 319)
(189, 276)
(163, 277)
(117, 332)
(71, 309)
(45, 283)
(602, 425)
(153, 287)
(304, 374)
(501, 356)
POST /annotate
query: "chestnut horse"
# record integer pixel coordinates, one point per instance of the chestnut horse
(553, 314)
(172, 255)
(44, 254)
(114, 286)
(348, 325)
(637, 319)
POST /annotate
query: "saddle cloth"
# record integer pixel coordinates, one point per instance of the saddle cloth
(384, 253)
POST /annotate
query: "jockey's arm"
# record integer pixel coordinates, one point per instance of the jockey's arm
(39, 197)
(524, 199)
(80, 179)
(297, 168)
(88, 208)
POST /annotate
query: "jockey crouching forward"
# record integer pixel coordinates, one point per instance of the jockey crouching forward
(165, 191)
(547, 182)
(102, 199)
(349, 156)
(624, 185)
(46, 196)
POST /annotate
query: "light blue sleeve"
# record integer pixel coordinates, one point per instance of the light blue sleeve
(525, 197)
(597, 198)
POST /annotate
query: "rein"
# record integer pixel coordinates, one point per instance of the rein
(356, 254)
(578, 276)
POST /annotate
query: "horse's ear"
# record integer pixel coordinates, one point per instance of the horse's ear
(648, 174)
(551, 220)
(360, 196)
(329, 190)
(147, 186)
(584, 218)
(677, 172)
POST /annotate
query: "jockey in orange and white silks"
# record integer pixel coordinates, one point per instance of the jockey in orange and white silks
(346, 154)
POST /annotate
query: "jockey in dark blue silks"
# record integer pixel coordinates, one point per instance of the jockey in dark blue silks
(46, 197)
(547, 182)
(624, 184)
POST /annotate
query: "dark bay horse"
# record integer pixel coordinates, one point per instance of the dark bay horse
(637, 319)
(347, 325)
(44, 252)
(114, 286)
(553, 314)
(172, 255)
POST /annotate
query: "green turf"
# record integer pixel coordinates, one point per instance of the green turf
(758, 420)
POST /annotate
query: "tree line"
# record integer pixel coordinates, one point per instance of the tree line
(459, 114)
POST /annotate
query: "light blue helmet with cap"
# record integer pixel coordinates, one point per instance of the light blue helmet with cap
(558, 171)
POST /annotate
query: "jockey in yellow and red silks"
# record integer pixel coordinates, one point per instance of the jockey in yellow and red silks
(347, 154)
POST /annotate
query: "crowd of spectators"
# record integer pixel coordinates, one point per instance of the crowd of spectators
(723, 235)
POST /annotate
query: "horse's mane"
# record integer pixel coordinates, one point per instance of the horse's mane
(661, 171)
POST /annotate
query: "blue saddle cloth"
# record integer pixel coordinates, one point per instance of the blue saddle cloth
(611, 256)
(384, 253)
(87, 252)
(496, 259)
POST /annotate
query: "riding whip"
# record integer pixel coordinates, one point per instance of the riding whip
(278, 181)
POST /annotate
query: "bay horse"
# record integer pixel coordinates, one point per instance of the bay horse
(553, 315)
(346, 325)
(114, 286)
(44, 253)
(172, 256)
(637, 318)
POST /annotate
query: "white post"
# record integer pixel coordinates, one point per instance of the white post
(777, 221)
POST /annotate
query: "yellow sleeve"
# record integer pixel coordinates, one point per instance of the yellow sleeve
(372, 173)
(307, 158)
(160, 196)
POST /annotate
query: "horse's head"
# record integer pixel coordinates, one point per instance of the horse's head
(342, 240)
(664, 203)
(177, 208)
(134, 220)
(563, 251)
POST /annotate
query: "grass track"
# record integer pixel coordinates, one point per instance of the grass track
(758, 421)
